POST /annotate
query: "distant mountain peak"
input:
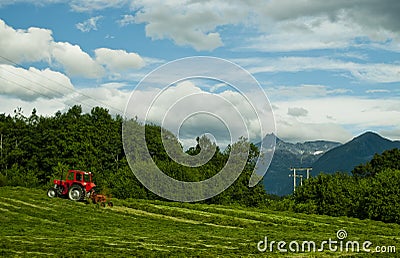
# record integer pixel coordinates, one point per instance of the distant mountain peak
(321, 155)
(355, 152)
(369, 134)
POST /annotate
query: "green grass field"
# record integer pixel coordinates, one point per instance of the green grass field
(33, 225)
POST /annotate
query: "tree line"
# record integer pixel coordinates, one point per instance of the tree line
(37, 149)
(371, 191)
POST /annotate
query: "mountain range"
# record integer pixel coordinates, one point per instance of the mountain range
(323, 156)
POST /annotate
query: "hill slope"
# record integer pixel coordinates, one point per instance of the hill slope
(33, 225)
(355, 152)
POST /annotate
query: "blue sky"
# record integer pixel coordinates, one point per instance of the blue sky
(330, 70)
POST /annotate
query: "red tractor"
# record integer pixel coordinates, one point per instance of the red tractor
(77, 185)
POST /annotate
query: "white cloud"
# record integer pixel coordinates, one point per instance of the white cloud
(189, 111)
(95, 5)
(308, 32)
(76, 5)
(126, 20)
(372, 72)
(297, 111)
(75, 61)
(321, 25)
(301, 91)
(377, 91)
(109, 96)
(44, 106)
(32, 84)
(35, 44)
(89, 24)
(32, 44)
(37, 3)
(392, 133)
(336, 117)
(312, 23)
(118, 60)
(296, 131)
(188, 23)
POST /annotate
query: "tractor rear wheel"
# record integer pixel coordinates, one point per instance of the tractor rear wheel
(52, 192)
(76, 193)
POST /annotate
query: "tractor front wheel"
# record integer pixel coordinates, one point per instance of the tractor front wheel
(52, 192)
(76, 193)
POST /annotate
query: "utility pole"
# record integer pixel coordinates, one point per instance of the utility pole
(295, 175)
(294, 178)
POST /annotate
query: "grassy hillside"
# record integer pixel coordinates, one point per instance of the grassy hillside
(31, 224)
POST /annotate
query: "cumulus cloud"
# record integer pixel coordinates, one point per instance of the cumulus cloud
(75, 61)
(296, 131)
(109, 96)
(321, 25)
(89, 24)
(189, 111)
(335, 118)
(118, 60)
(35, 44)
(32, 84)
(189, 23)
(314, 24)
(32, 44)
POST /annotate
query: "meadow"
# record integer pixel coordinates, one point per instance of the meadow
(33, 225)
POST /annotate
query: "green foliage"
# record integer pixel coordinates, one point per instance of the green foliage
(388, 159)
(18, 176)
(380, 198)
(3, 180)
(36, 150)
(327, 194)
(373, 192)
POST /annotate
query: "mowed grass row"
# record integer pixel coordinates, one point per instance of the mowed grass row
(33, 225)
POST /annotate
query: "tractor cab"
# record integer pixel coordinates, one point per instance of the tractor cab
(77, 185)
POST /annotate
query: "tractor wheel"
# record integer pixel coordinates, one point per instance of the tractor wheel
(103, 204)
(52, 192)
(76, 193)
(110, 204)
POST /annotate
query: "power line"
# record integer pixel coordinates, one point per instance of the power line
(40, 93)
(295, 175)
(54, 81)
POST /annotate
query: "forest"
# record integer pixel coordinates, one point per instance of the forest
(37, 149)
